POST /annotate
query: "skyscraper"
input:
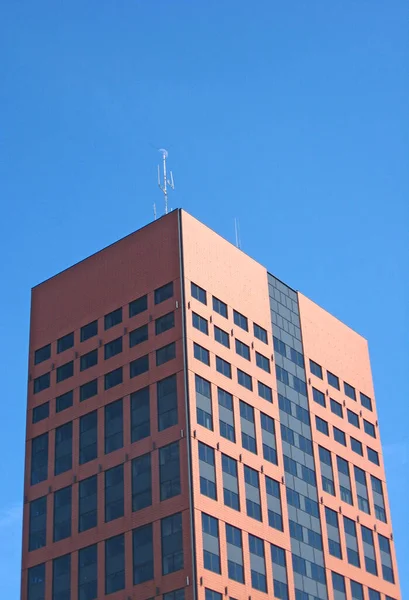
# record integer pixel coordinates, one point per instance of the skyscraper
(196, 429)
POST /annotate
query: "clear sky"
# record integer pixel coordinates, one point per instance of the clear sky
(292, 116)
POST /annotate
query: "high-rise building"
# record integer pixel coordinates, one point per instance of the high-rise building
(198, 430)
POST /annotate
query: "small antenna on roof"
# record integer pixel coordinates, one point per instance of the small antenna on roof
(237, 231)
(166, 182)
(154, 211)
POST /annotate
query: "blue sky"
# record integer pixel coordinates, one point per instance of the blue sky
(291, 116)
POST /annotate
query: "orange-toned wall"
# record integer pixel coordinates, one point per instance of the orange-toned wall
(227, 273)
(134, 266)
(343, 352)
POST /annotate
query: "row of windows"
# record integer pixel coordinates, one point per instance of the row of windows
(338, 410)
(110, 320)
(139, 421)
(357, 592)
(111, 379)
(221, 308)
(114, 496)
(333, 381)
(114, 550)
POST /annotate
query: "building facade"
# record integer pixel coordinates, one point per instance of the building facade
(197, 430)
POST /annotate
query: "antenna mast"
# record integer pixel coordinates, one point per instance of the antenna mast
(166, 182)
(237, 231)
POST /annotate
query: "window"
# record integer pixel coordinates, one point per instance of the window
(138, 335)
(327, 478)
(339, 436)
(114, 429)
(139, 366)
(357, 590)
(201, 354)
(257, 564)
(279, 346)
(115, 564)
(165, 354)
(379, 502)
(142, 550)
(37, 528)
(88, 573)
(244, 379)
(316, 369)
(230, 484)
(36, 582)
(87, 503)
(365, 401)
(297, 357)
(369, 551)
(114, 493)
(172, 543)
(280, 574)
(369, 428)
(351, 542)
(373, 456)
(65, 342)
(42, 354)
(113, 318)
(88, 437)
(356, 446)
(169, 471)
(260, 333)
(207, 472)
(211, 551)
(373, 594)
(349, 391)
(338, 583)
(223, 367)
(226, 415)
(63, 448)
(167, 402)
(164, 323)
(41, 383)
(234, 554)
(386, 560)
(64, 401)
(275, 518)
(353, 418)
(89, 360)
(318, 397)
(65, 371)
(253, 507)
(361, 489)
(113, 348)
(221, 336)
(248, 432)
(113, 378)
(88, 331)
(88, 390)
(140, 415)
(141, 482)
(269, 438)
(200, 323)
(262, 362)
(333, 380)
(164, 293)
(220, 307)
(198, 293)
(290, 466)
(321, 425)
(211, 595)
(138, 306)
(62, 577)
(41, 412)
(344, 480)
(334, 545)
(242, 349)
(282, 375)
(296, 531)
(336, 408)
(264, 391)
(62, 514)
(240, 320)
(204, 412)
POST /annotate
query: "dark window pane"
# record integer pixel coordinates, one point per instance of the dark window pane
(366, 401)
(89, 360)
(169, 471)
(42, 354)
(260, 333)
(88, 390)
(88, 437)
(349, 391)
(140, 415)
(62, 578)
(41, 383)
(172, 544)
(113, 348)
(201, 354)
(198, 293)
(240, 320)
(164, 323)
(114, 493)
(165, 354)
(137, 336)
(37, 529)
(114, 435)
(333, 380)
(115, 564)
(87, 493)
(142, 547)
(65, 371)
(163, 293)
(39, 459)
(41, 412)
(66, 342)
(220, 307)
(221, 336)
(242, 349)
(62, 514)
(167, 402)
(63, 448)
(315, 369)
(88, 331)
(141, 482)
(137, 306)
(36, 582)
(113, 378)
(88, 573)
(139, 366)
(64, 401)
(113, 318)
